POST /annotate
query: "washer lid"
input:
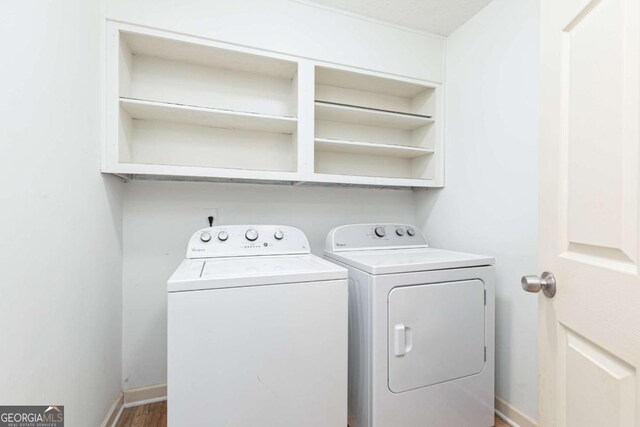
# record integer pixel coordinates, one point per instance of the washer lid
(408, 260)
(233, 272)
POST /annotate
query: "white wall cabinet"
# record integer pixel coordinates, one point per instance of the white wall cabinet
(182, 107)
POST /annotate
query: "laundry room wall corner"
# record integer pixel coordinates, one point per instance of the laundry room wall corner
(489, 204)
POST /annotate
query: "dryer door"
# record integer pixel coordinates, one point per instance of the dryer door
(436, 333)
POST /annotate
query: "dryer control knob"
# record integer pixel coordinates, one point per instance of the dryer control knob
(399, 231)
(380, 231)
(279, 235)
(251, 234)
(205, 237)
(411, 232)
(223, 236)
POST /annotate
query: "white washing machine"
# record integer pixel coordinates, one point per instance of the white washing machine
(257, 332)
(421, 329)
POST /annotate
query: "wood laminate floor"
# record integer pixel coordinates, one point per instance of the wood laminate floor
(155, 415)
(151, 415)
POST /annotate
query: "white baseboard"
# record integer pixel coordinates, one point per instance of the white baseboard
(504, 418)
(134, 397)
(114, 412)
(158, 393)
(511, 415)
(145, 395)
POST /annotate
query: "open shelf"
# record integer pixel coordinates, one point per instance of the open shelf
(164, 70)
(376, 92)
(171, 143)
(150, 45)
(184, 107)
(202, 116)
(191, 103)
(370, 148)
(330, 111)
(326, 76)
(373, 127)
(374, 165)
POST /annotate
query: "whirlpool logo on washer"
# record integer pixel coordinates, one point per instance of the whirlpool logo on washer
(32, 416)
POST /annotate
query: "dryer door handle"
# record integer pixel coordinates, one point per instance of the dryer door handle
(402, 340)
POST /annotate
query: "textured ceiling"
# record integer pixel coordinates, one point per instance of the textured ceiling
(434, 16)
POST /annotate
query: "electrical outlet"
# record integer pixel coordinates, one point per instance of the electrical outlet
(208, 214)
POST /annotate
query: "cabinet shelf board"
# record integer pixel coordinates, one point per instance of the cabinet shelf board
(195, 173)
(201, 52)
(211, 117)
(181, 173)
(371, 148)
(336, 179)
(370, 117)
(369, 83)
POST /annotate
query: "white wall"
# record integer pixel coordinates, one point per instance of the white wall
(489, 204)
(159, 218)
(60, 293)
(293, 28)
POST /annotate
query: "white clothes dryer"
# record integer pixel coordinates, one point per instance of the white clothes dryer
(257, 332)
(421, 329)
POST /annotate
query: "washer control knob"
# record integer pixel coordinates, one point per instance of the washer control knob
(411, 232)
(223, 236)
(399, 231)
(380, 231)
(205, 237)
(279, 235)
(251, 234)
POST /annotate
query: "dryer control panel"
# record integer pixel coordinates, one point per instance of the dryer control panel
(374, 236)
(247, 240)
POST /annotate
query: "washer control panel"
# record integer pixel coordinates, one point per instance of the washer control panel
(247, 240)
(374, 236)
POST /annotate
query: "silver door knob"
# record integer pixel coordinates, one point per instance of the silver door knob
(546, 283)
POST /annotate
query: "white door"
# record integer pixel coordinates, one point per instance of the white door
(436, 333)
(589, 332)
